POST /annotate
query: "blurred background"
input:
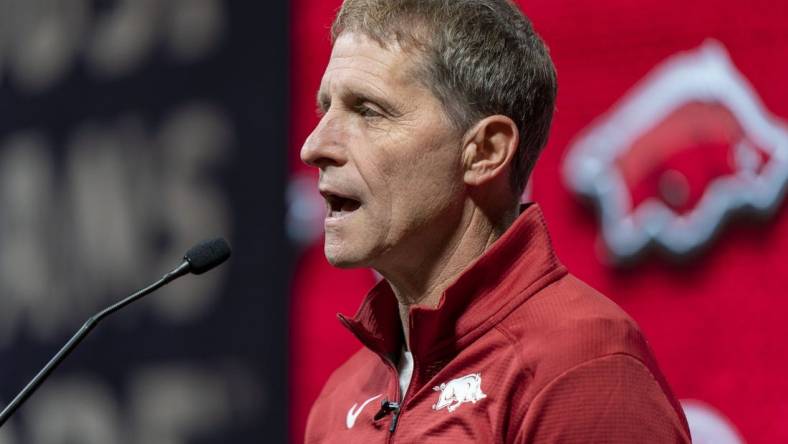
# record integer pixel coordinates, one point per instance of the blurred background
(130, 129)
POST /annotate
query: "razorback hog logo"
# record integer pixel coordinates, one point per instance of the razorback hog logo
(685, 149)
(458, 391)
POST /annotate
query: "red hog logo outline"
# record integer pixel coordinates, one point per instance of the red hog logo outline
(596, 162)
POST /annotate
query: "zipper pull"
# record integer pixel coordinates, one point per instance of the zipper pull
(387, 407)
(394, 420)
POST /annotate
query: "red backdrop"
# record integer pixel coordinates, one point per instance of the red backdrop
(716, 318)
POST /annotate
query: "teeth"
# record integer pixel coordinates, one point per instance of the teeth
(338, 213)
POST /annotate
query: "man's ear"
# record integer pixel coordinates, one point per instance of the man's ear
(488, 149)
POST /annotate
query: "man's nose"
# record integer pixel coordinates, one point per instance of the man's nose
(324, 146)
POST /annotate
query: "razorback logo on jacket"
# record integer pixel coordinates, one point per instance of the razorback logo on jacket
(458, 391)
(688, 147)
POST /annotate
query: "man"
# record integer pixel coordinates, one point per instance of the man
(433, 115)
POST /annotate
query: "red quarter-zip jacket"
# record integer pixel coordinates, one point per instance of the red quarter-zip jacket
(517, 351)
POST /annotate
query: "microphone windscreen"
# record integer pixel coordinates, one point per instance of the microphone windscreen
(207, 254)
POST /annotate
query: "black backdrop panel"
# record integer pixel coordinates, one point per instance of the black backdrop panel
(130, 130)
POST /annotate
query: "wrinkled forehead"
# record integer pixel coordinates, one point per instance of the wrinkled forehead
(356, 58)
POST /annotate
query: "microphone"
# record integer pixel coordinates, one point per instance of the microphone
(200, 258)
(387, 407)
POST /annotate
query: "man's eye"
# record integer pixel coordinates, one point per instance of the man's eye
(366, 111)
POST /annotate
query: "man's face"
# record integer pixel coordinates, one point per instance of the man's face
(389, 159)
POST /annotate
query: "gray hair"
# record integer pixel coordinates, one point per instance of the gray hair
(480, 58)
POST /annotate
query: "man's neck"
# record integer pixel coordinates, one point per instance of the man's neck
(422, 281)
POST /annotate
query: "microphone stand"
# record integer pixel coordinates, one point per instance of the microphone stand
(80, 335)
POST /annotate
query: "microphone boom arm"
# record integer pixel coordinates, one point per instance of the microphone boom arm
(80, 335)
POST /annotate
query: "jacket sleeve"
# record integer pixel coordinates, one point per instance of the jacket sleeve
(611, 399)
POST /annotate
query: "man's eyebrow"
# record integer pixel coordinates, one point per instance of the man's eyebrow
(365, 96)
(357, 95)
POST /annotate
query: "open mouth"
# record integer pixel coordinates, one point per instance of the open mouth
(339, 206)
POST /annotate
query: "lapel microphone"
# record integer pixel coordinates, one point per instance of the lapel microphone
(199, 259)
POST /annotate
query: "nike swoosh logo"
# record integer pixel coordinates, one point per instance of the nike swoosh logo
(352, 414)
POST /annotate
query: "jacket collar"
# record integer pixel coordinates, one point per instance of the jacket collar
(515, 267)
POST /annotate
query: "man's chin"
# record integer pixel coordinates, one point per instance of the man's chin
(345, 259)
